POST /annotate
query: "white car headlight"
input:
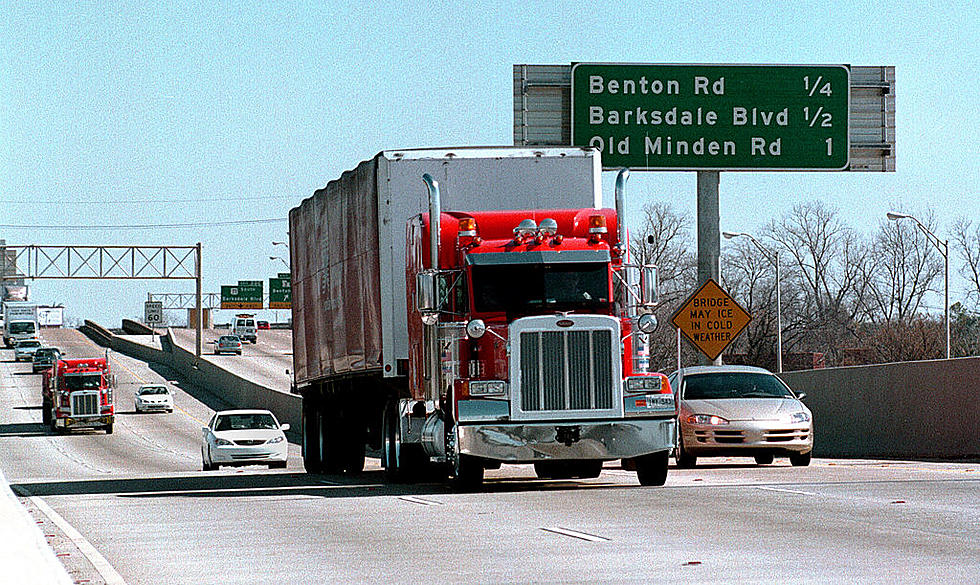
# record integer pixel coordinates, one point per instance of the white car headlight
(222, 442)
(799, 417)
(274, 440)
(706, 419)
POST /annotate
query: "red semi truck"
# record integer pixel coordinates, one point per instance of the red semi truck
(78, 393)
(511, 330)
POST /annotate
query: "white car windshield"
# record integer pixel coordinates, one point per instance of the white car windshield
(722, 385)
(153, 390)
(236, 422)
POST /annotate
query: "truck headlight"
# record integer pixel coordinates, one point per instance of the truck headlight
(644, 384)
(488, 388)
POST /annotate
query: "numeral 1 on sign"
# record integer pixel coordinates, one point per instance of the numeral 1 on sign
(825, 89)
(830, 147)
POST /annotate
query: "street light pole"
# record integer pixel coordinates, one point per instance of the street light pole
(772, 257)
(279, 258)
(943, 247)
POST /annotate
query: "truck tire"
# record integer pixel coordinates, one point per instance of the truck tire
(652, 469)
(311, 442)
(108, 429)
(45, 413)
(329, 436)
(468, 474)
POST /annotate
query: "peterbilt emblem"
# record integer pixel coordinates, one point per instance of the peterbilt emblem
(565, 323)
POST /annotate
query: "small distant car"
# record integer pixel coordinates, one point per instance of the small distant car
(25, 348)
(243, 325)
(739, 411)
(44, 358)
(262, 325)
(244, 437)
(228, 344)
(154, 397)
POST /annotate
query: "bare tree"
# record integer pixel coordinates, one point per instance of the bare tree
(905, 269)
(967, 239)
(663, 237)
(825, 281)
(750, 278)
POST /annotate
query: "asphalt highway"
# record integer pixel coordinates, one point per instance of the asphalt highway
(139, 500)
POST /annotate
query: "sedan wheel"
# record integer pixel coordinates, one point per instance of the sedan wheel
(764, 459)
(684, 460)
(801, 459)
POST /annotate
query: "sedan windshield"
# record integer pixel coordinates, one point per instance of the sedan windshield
(153, 390)
(522, 288)
(237, 422)
(721, 385)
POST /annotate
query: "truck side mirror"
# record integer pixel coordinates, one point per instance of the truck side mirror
(112, 380)
(648, 285)
(426, 290)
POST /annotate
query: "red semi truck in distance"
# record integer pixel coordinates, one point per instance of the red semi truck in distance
(78, 393)
(511, 330)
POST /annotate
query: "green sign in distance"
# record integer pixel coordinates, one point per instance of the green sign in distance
(713, 117)
(280, 292)
(247, 294)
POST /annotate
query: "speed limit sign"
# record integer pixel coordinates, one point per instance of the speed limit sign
(153, 312)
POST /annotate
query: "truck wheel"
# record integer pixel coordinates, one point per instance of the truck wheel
(45, 413)
(652, 469)
(468, 474)
(108, 429)
(327, 437)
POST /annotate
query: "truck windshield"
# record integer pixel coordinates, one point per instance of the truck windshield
(17, 327)
(526, 288)
(83, 381)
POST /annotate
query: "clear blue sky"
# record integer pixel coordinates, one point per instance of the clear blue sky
(184, 112)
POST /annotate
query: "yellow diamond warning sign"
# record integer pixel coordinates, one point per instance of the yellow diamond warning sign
(711, 319)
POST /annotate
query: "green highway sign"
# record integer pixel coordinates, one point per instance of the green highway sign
(713, 117)
(247, 294)
(280, 292)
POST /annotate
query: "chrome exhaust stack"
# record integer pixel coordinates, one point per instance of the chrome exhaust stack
(433, 363)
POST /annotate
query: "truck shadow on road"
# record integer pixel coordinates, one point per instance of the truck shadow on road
(224, 484)
(32, 429)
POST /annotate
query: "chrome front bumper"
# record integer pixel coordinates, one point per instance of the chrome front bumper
(527, 443)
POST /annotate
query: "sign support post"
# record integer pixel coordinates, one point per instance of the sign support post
(709, 237)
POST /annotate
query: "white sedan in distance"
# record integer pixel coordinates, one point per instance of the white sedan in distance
(244, 437)
(154, 397)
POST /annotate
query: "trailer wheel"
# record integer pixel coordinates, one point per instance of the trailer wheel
(108, 429)
(328, 422)
(45, 412)
(311, 437)
(652, 469)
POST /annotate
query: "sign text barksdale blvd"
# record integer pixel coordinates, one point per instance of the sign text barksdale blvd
(767, 117)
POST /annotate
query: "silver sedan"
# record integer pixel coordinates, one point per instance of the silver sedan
(739, 411)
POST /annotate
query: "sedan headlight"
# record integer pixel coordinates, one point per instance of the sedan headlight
(222, 442)
(706, 419)
(274, 440)
(799, 417)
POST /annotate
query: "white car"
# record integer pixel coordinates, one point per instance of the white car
(244, 437)
(154, 397)
(25, 348)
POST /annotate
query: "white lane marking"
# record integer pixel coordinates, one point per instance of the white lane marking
(772, 489)
(109, 574)
(423, 501)
(574, 534)
(245, 491)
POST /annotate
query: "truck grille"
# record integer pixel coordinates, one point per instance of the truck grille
(84, 404)
(566, 370)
